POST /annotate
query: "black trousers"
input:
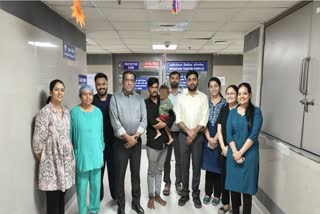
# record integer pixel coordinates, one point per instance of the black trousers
(108, 158)
(225, 193)
(55, 202)
(121, 159)
(195, 151)
(236, 202)
(213, 182)
(167, 165)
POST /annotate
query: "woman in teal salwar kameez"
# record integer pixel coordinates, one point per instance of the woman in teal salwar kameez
(243, 128)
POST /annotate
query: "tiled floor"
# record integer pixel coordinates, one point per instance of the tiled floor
(109, 206)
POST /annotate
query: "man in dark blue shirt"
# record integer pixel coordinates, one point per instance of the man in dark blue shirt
(102, 101)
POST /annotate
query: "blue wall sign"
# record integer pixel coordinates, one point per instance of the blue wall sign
(186, 66)
(131, 66)
(69, 51)
(82, 79)
(141, 83)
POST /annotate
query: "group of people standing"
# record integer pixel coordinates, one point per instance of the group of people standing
(219, 135)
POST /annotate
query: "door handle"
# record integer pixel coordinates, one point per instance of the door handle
(302, 70)
(306, 103)
(305, 76)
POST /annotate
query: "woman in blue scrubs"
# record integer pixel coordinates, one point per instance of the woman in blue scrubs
(243, 128)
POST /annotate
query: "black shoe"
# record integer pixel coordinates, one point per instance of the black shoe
(183, 200)
(137, 208)
(197, 202)
(121, 210)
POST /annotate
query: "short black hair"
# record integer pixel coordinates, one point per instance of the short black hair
(174, 73)
(128, 72)
(192, 72)
(152, 80)
(100, 75)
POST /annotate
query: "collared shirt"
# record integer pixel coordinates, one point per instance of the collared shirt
(152, 115)
(128, 113)
(51, 139)
(192, 110)
(173, 99)
(104, 106)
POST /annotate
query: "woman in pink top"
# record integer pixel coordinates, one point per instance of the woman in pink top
(53, 148)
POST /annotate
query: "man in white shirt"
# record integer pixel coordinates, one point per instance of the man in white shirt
(192, 113)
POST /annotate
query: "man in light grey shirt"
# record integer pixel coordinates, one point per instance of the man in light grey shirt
(128, 117)
(174, 79)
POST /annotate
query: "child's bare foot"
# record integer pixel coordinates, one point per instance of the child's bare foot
(157, 136)
(170, 141)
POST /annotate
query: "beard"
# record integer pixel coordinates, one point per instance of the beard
(174, 84)
(192, 87)
(154, 94)
(102, 92)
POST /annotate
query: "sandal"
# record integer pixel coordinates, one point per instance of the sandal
(206, 199)
(166, 190)
(215, 201)
(224, 210)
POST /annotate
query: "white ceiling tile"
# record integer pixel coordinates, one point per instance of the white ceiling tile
(124, 4)
(228, 36)
(214, 15)
(239, 26)
(103, 35)
(273, 3)
(204, 26)
(92, 14)
(166, 16)
(258, 14)
(134, 47)
(134, 34)
(120, 51)
(142, 50)
(122, 15)
(93, 47)
(222, 4)
(231, 52)
(69, 3)
(134, 26)
(214, 47)
(108, 42)
(112, 47)
(97, 51)
(191, 44)
(198, 34)
(137, 41)
(97, 25)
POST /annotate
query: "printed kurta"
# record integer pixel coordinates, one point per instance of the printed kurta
(51, 139)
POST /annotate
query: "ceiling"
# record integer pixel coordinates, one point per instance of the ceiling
(202, 26)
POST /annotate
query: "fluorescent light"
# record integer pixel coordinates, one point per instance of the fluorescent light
(164, 47)
(42, 44)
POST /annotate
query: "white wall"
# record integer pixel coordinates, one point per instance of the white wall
(106, 69)
(232, 74)
(25, 75)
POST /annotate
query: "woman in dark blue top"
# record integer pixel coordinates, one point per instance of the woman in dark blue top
(211, 149)
(231, 97)
(243, 128)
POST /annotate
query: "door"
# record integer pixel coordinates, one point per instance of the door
(286, 45)
(311, 131)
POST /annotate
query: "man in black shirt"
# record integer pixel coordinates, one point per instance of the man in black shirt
(102, 101)
(156, 148)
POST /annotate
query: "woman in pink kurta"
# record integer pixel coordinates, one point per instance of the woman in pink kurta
(53, 148)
